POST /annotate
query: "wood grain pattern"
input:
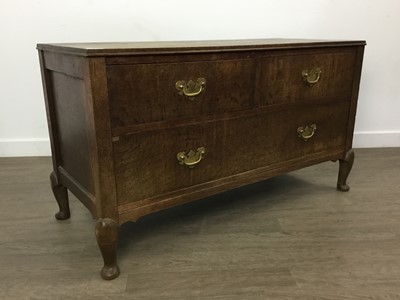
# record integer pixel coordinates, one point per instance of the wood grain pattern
(66, 64)
(72, 128)
(144, 93)
(215, 46)
(96, 103)
(47, 85)
(146, 164)
(279, 72)
(354, 97)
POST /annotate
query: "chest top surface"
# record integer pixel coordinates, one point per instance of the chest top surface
(150, 47)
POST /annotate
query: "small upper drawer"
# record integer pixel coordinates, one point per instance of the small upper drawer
(145, 93)
(307, 76)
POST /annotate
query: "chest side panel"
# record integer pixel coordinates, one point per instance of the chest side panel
(67, 111)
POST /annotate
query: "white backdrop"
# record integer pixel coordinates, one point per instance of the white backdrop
(23, 23)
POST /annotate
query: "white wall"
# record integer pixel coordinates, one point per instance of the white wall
(23, 23)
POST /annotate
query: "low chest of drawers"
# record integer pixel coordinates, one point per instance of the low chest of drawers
(140, 127)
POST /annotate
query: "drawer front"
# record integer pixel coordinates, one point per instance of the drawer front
(153, 163)
(303, 77)
(146, 163)
(145, 93)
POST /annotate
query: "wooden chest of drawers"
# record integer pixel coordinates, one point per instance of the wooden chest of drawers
(140, 127)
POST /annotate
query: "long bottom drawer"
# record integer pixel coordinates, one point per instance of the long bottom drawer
(153, 163)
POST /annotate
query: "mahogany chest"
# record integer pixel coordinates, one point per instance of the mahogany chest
(140, 127)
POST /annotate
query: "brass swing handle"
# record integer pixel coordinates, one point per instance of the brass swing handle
(312, 76)
(192, 158)
(307, 132)
(190, 88)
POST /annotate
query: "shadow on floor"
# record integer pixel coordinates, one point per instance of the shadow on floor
(264, 194)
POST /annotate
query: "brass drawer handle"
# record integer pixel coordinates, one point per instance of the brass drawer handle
(190, 89)
(307, 132)
(312, 76)
(192, 158)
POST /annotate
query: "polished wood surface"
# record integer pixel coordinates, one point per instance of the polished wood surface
(144, 168)
(144, 93)
(281, 71)
(289, 237)
(72, 128)
(138, 48)
(121, 115)
(99, 136)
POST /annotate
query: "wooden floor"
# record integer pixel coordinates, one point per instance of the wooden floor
(290, 237)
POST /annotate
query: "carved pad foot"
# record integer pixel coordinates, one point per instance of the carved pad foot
(345, 166)
(61, 194)
(107, 237)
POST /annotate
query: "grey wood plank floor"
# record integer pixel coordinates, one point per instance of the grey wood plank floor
(290, 237)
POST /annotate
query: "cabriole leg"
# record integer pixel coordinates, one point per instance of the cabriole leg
(61, 194)
(345, 166)
(107, 237)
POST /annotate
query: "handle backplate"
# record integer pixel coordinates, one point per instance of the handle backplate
(191, 88)
(307, 132)
(192, 158)
(311, 76)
